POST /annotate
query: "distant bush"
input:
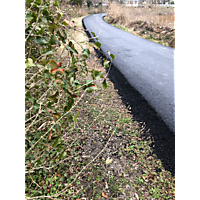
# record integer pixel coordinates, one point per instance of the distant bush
(76, 2)
(89, 3)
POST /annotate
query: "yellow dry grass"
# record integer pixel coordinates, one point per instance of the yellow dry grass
(156, 15)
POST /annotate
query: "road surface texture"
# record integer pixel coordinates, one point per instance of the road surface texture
(143, 73)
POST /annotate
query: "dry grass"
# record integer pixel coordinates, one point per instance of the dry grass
(156, 15)
(74, 11)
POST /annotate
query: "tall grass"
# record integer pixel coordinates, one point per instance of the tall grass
(155, 15)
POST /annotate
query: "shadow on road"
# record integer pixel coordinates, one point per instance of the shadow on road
(164, 139)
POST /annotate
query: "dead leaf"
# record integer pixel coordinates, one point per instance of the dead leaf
(55, 70)
(106, 185)
(108, 161)
(59, 64)
(104, 195)
(48, 146)
(136, 195)
(43, 182)
(50, 110)
(85, 174)
(58, 80)
(49, 136)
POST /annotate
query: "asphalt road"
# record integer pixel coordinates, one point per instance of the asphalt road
(147, 66)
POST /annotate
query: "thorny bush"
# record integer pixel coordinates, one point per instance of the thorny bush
(52, 89)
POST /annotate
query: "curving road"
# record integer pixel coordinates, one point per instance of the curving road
(147, 66)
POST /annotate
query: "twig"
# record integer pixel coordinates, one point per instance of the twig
(55, 123)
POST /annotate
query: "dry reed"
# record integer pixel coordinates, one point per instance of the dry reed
(156, 15)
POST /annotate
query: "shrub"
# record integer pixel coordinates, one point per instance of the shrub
(76, 2)
(53, 86)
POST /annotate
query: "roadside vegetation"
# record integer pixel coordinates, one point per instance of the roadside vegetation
(81, 141)
(156, 24)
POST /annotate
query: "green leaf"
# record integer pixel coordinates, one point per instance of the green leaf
(62, 34)
(52, 40)
(112, 56)
(69, 104)
(104, 84)
(53, 64)
(35, 104)
(52, 27)
(56, 3)
(57, 42)
(94, 35)
(40, 41)
(29, 97)
(63, 154)
(71, 47)
(64, 22)
(106, 63)
(75, 116)
(56, 141)
(49, 106)
(53, 97)
(48, 53)
(88, 81)
(66, 83)
(90, 89)
(59, 15)
(28, 17)
(96, 74)
(45, 61)
(98, 44)
(29, 63)
(86, 52)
